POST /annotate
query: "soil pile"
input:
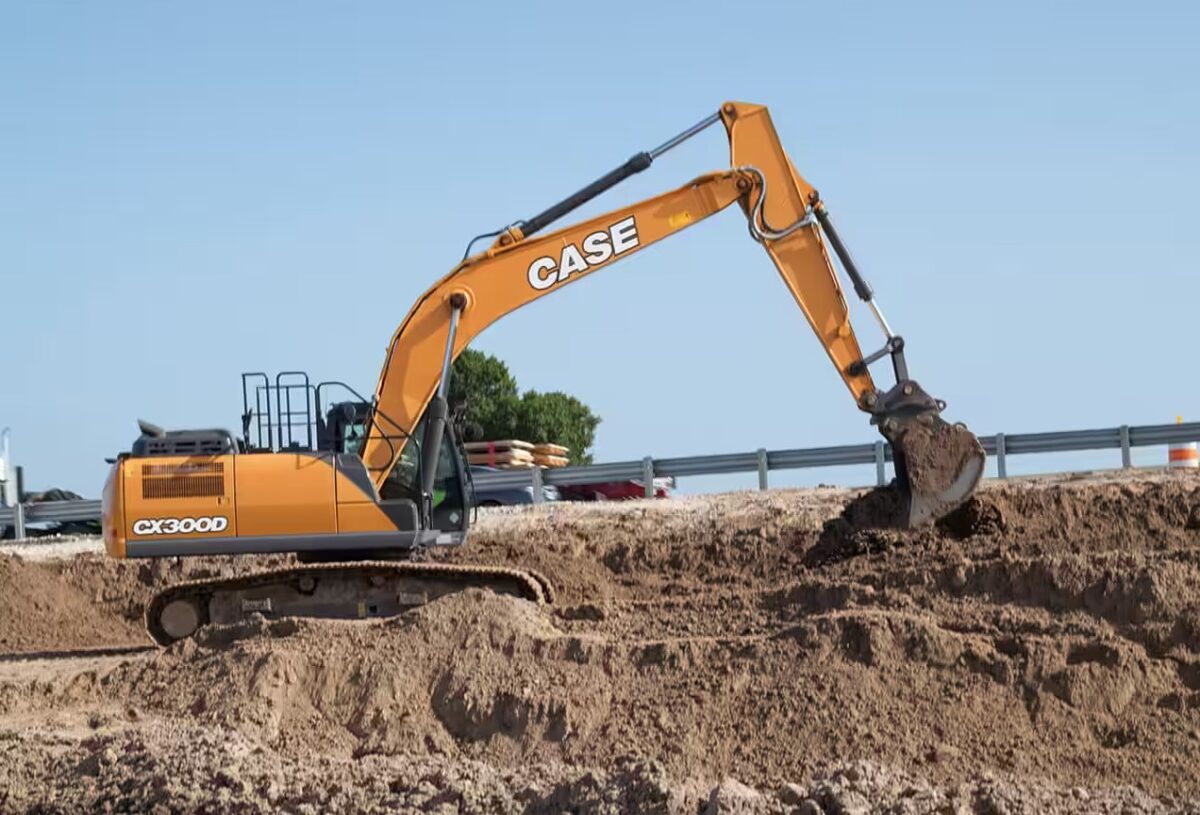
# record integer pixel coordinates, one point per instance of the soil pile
(90, 601)
(39, 611)
(1039, 650)
(474, 673)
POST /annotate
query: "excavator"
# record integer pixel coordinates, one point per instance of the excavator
(382, 485)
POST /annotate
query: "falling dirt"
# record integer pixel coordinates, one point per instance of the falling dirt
(1038, 651)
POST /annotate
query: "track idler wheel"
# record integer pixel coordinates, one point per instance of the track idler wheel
(938, 464)
(179, 619)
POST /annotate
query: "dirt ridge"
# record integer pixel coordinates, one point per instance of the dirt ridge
(1039, 650)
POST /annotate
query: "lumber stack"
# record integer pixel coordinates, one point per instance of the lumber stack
(514, 453)
(550, 455)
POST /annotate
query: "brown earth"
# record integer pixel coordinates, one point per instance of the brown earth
(40, 611)
(1038, 651)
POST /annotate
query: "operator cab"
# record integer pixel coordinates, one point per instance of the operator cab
(344, 427)
(285, 415)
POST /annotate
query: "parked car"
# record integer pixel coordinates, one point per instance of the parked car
(616, 490)
(507, 496)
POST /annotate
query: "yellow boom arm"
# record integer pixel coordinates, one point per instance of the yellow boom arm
(785, 215)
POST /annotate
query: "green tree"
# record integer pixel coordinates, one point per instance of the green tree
(485, 395)
(488, 405)
(558, 418)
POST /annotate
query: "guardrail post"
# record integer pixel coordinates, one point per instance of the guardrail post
(762, 468)
(18, 521)
(880, 470)
(1126, 453)
(1001, 453)
(538, 494)
(648, 476)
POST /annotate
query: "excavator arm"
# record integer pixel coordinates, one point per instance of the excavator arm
(937, 464)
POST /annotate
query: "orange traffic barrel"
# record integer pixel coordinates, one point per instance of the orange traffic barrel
(1183, 455)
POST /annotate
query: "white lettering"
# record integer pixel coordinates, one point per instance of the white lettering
(624, 235)
(181, 526)
(572, 262)
(535, 273)
(597, 247)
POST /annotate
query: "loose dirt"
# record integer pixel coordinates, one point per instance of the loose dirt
(773, 652)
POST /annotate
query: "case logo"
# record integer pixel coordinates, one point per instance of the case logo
(598, 247)
(180, 526)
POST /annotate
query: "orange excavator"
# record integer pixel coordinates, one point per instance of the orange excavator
(365, 499)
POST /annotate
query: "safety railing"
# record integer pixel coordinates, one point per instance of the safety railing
(18, 515)
(762, 461)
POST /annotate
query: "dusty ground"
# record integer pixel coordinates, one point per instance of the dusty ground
(754, 653)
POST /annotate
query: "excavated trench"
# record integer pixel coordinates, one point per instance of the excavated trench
(748, 652)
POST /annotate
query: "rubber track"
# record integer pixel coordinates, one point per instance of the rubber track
(535, 586)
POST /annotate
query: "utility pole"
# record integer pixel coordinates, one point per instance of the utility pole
(8, 487)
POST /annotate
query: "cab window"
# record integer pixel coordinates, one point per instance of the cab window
(449, 504)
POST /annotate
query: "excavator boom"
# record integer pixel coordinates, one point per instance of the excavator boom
(938, 465)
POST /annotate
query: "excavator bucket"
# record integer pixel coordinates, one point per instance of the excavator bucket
(938, 465)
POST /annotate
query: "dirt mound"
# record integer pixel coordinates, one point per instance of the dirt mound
(1117, 513)
(91, 601)
(471, 674)
(39, 611)
(1038, 650)
(614, 551)
(496, 679)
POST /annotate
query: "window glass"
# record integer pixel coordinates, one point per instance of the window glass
(404, 482)
(352, 437)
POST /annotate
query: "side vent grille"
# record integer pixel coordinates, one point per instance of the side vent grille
(183, 480)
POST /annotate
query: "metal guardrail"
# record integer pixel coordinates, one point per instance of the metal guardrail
(999, 446)
(49, 512)
(762, 461)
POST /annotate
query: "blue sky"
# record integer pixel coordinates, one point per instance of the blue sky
(188, 191)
